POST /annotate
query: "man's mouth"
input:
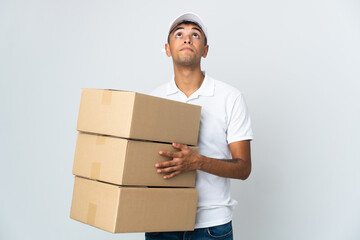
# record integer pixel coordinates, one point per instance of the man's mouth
(186, 49)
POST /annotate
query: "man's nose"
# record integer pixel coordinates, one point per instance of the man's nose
(187, 39)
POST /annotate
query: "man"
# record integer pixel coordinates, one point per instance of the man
(224, 137)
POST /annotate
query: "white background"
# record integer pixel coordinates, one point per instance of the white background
(297, 63)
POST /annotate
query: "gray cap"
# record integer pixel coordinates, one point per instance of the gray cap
(191, 17)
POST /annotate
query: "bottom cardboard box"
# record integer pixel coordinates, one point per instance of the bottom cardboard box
(120, 209)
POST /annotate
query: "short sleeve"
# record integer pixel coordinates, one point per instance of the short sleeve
(239, 121)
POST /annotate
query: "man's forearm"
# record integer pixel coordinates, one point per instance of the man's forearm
(229, 168)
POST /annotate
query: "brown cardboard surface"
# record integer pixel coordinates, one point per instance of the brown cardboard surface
(133, 209)
(125, 162)
(138, 116)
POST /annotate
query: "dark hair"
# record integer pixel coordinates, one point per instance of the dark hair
(186, 22)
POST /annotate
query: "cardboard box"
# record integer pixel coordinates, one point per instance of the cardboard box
(120, 209)
(138, 116)
(125, 162)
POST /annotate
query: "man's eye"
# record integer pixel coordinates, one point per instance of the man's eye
(178, 35)
(195, 35)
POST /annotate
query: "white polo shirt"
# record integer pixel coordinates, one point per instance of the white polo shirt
(224, 119)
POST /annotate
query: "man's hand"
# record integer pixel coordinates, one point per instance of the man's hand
(238, 167)
(183, 160)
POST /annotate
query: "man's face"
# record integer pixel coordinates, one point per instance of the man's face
(186, 45)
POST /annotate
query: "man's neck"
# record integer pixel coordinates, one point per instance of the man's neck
(187, 79)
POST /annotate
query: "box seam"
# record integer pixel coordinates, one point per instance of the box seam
(132, 115)
(125, 162)
(117, 210)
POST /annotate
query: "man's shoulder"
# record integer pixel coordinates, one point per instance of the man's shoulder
(226, 89)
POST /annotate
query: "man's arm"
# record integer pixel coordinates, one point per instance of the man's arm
(185, 160)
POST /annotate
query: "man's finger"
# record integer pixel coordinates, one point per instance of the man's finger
(165, 164)
(171, 154)
(168, 169)
(180, 146)
(171, 175)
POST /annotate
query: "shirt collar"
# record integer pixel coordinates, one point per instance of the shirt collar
(206, 88)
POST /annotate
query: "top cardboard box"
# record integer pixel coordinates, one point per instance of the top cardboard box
(138, 116)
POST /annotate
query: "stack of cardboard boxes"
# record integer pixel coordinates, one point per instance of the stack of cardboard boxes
(116, 186)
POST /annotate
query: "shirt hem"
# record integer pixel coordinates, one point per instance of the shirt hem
(214, 223)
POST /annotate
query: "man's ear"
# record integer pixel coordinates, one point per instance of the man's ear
(206, 49)
(167, 49)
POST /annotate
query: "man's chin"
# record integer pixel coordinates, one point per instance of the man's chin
(186, 62)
